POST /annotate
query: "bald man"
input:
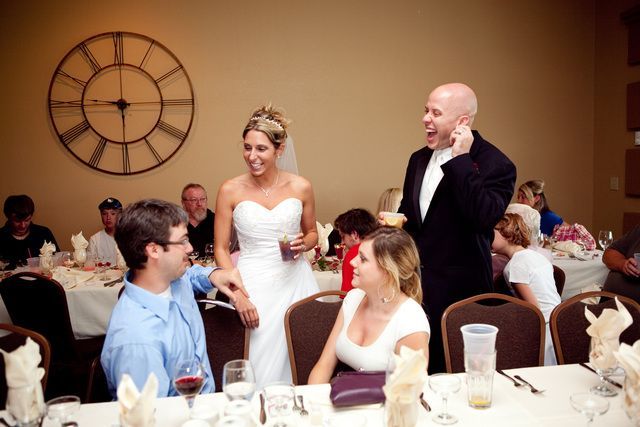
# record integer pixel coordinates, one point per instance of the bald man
(455, 191)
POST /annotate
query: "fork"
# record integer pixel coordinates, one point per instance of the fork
(515, 383)
(296, 407)
(531, 387)
(303, 411)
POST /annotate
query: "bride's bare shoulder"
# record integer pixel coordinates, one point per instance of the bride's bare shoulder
(234, 185)
(298, 182)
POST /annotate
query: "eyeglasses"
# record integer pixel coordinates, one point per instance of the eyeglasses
(184, 243)
(200, 200)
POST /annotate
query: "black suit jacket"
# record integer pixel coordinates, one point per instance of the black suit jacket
(454, 240)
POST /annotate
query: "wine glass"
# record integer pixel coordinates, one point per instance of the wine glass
(238, 380)
(605, 237)
(444, 385)
(279, 402)
(589, 404)
(61, 408)
(208, 250)
(339, 247)
(193, 255)
(26, 405)
(188, 380)
(67, 261)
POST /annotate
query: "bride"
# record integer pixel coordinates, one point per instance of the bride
(265, 204)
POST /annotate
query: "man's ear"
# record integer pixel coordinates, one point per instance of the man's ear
(355, 236)
(152, 250)
(463, 120)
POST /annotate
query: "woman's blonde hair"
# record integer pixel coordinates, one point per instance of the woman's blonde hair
(397, 255)
(534, 188)
(514, 230)
(271, 121)
(390, 200)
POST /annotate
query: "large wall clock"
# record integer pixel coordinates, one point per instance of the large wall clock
(121, 103)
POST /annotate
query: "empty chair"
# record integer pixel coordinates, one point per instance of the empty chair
(569, 324)
(17, 336)
(521, 336)
(227, 338)
(307, 325)
(38, 303)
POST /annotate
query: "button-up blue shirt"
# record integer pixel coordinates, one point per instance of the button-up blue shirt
(149, 333)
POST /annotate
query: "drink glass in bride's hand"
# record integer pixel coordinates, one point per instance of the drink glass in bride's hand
(238, 380)
(188, 379)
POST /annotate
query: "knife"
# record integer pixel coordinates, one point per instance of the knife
(113, 282)
(610, 381)
(263, 414)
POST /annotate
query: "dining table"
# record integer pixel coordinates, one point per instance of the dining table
(510, 406)
(586, 272)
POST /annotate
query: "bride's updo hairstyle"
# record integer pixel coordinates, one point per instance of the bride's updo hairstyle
(270, 121)
(397, 255)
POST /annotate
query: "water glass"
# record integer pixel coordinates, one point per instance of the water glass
(208, 251)
(61, 408)
(589, 404)
(605, 238)
(26, 405)
(479, 368)
(279, 403)
(238, 380)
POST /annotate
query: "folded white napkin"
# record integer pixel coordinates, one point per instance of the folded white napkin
(120, 262)
(404, 385)
(568, 246)
(137, 408)
(78, 241)
(47, 249)
(21, 370)
(69, 278)
(323, 236)
(605, 334)
(629, 358)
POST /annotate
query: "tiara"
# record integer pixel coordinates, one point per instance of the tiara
(273, 122)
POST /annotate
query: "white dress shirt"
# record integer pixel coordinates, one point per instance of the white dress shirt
(432, 177)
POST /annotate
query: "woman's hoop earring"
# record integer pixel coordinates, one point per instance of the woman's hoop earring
(384, 299)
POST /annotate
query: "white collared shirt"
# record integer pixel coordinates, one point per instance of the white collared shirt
(432, 177)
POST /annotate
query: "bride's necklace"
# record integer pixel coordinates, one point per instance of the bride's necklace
(268, 191)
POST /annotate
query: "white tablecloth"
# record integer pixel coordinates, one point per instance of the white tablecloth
(581, 274)
(511, 406)
(328, 280)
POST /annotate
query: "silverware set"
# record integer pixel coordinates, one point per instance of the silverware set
(518, 381)
(299, 408)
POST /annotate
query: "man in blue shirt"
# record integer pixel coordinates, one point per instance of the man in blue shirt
(156, 323)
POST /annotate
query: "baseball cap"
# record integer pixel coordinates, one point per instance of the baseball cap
(110, 203)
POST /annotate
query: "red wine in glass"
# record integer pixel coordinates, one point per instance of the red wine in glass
(188, 379)
(189, 386)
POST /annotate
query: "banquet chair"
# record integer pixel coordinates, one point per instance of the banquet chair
(559, 278)
(569, 325)
(17, 337)
(97, 387)
(307, 325)
(38, 303)
(227, 338)
(521, 330)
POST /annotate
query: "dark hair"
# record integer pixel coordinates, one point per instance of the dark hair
(396, 253)
(514, 230)
(358, 220)
(144, 222)
(20, 207)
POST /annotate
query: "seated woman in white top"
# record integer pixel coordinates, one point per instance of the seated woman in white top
(528, 273)
(382, 312)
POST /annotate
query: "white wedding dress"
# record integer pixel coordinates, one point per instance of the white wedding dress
(273, 284)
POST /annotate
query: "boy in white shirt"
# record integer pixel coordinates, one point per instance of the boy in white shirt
(102, 244)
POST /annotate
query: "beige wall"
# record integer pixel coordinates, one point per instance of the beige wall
(610, 131)
(353, 75)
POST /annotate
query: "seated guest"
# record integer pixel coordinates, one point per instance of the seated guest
(352, 226)
(201, 218)
(20, 238)
(382, 312)
(156, 322)
(102, 244)
(624, 277)
(390, 200)
(528, 273)
(531, 193)
(531, 218)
